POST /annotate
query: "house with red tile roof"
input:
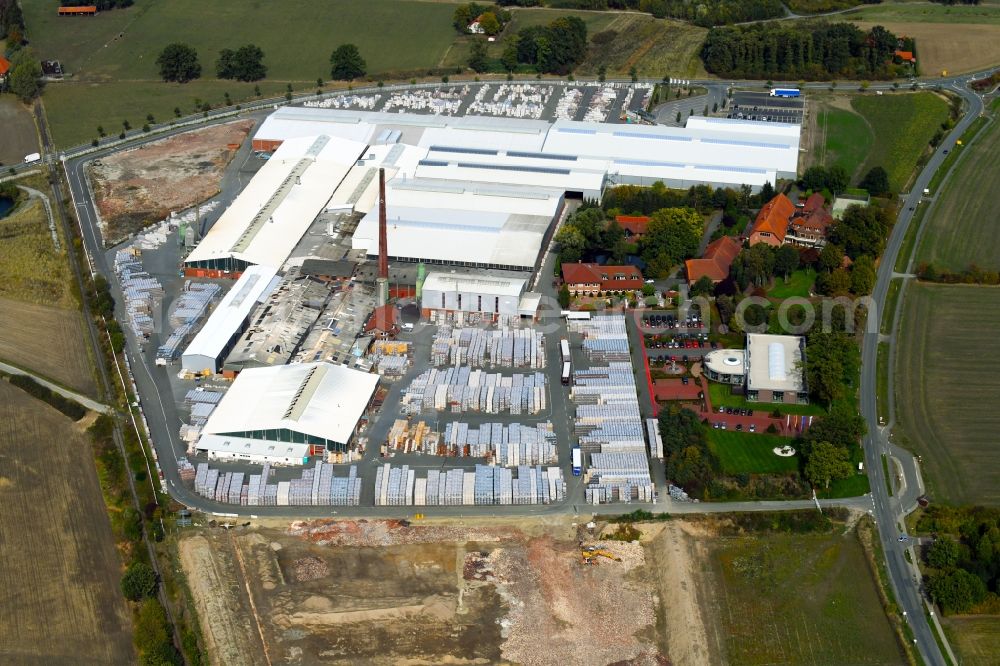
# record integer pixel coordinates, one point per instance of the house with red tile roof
(715, 263)
(591, 279)
(384, 322)
(771, 224)
(906, 56)
(4, 67)
(635, 226)
(810, 225)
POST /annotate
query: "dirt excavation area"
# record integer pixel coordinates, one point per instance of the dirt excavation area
(534, 592)
(141, 186)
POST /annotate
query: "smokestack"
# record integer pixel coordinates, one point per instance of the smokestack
(383, 250)
(382, 283)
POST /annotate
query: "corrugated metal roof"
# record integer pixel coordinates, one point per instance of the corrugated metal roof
(318, 399)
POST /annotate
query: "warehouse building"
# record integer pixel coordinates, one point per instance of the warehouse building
(490, 296)
(227, 323)
(285, 414)
(769, 369)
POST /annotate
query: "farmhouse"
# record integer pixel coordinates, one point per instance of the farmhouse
(810, 225)
(634, 226)
(593, 279)
(715, 263)
(284, 414)
(769, 369)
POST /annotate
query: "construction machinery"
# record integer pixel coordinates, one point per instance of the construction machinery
(590, 555)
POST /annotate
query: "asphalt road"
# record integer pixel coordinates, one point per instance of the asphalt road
(888, 512)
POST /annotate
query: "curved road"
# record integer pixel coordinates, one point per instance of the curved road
(887, 511)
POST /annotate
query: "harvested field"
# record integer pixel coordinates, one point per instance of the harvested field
(139, 187)
(652, 46)
(47, 340)
(59, 592)
(962, 229)
(948, 47)
(17, 131)
(378, 592)
(947, 370)
(974, 638)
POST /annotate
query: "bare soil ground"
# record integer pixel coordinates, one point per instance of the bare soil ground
(47, 340)
(138, 187)
(943, 46)
(17, 131)
(59, 594)
(378, 592)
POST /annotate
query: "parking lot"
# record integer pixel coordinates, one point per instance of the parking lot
(760, 106)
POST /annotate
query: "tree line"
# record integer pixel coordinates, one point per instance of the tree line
(706, 13)
(102, 5)
(804, 50)
(973, 274)
(179, 63)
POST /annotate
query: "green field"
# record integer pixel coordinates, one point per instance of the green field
(75, 109)
(848, 140)
(721, 394)
(962, 229)
(798, 599)
(798, 285)
(750, 453)
(926, 12)
(903, 125)
(947, 384)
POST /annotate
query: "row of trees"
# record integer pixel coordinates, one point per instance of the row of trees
(971, 275)
(638, 200)
(179, 63)
(102, 5)
(706, 13)
(814, 51)
(964, 558)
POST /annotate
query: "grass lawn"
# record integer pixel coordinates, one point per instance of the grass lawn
(799, 284)
(963, 228)
(947, 385)
(798, 599)
(848, 139)
(721, 394)
(750, 453)
(882, 381)
(891, 299)
(903, 125)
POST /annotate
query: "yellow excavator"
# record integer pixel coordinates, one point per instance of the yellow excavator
(589, 555)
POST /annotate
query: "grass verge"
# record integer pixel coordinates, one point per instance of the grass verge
(888, 476)
(891, 303)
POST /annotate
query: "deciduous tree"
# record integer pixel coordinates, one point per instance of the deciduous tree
(827, 463)
(179, 63)
(346, 63)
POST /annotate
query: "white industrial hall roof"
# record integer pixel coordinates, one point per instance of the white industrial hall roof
(485, 238)
(774, 362)
(478, 284)
(254, 285)
(317, 399)
(271, 214)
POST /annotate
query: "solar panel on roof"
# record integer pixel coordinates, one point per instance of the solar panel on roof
(747, 144)
(432, 163)
(647, 135)
(515, 167)
(575, 130)
(543, 156)
(462, 149)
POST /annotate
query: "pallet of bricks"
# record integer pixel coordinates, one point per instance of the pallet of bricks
(487, 485)
(390, 357)
(478, 348)
(316, 486)
(618, 477)
(505, 444)
(462, 389)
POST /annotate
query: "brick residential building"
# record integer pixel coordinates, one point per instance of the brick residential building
(635, 226)
(591, 279)
(810, 225)
(715, 263)
(771, 224)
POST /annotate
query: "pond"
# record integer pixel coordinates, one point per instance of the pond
(6, 204)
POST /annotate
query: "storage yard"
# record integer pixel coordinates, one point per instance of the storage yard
(389, 592)
(137, 187)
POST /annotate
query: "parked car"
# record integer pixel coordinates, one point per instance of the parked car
(753, 428)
